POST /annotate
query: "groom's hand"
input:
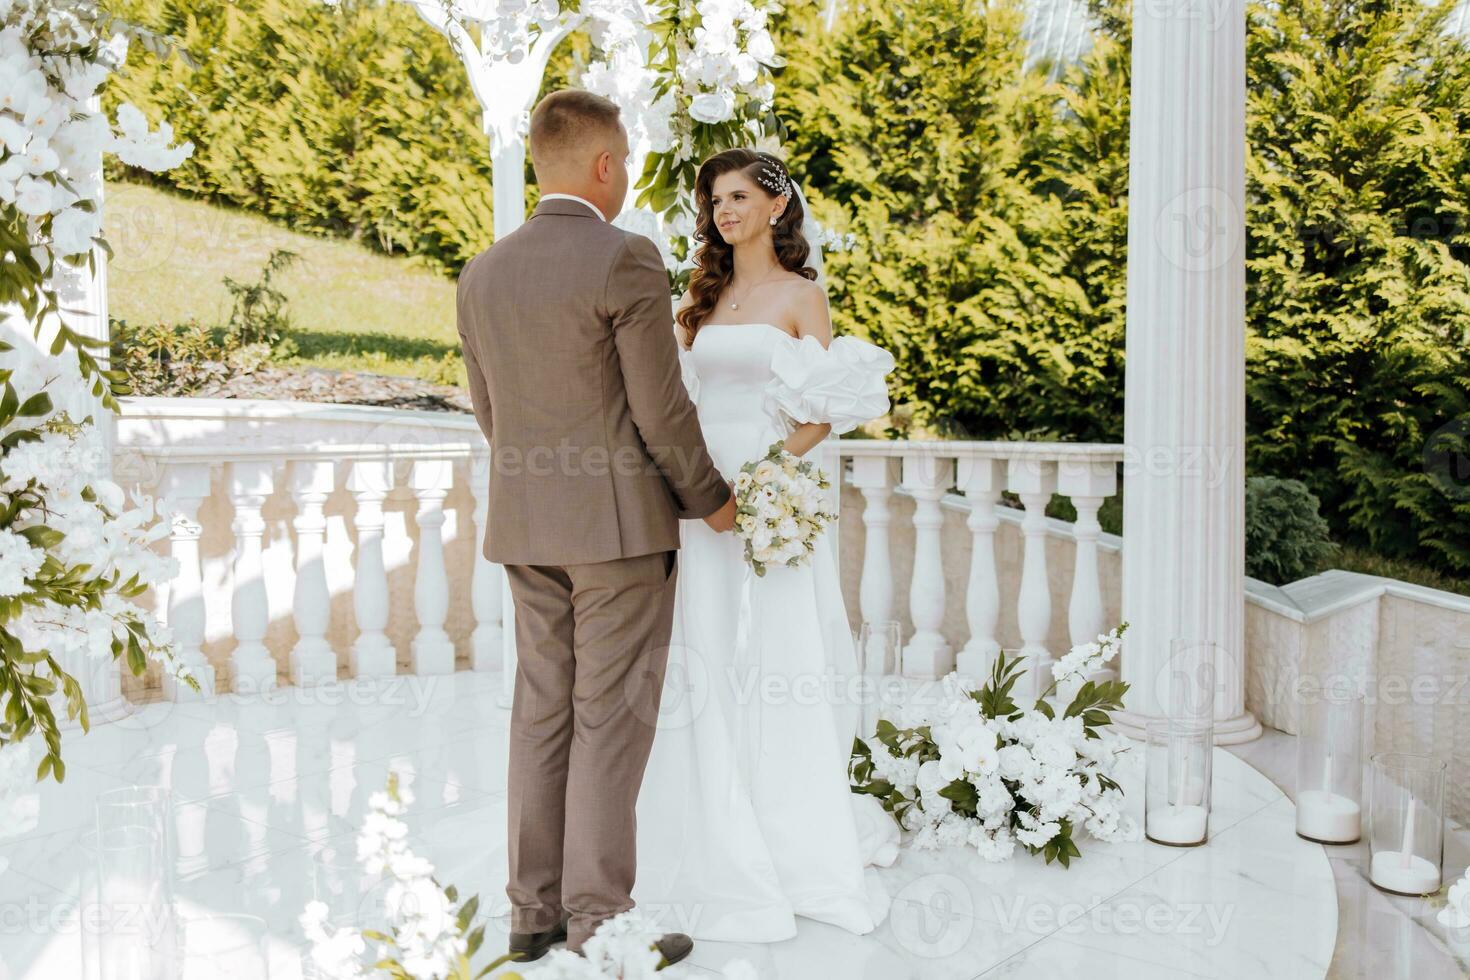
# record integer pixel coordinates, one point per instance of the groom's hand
(723, 519)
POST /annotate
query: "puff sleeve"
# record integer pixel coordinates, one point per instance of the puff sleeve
(842, 384)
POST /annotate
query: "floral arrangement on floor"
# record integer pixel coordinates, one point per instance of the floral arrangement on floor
(428, 935)
(780, 508)
(976, 769)
(1456, 913)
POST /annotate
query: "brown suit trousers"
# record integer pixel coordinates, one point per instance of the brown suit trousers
(596, 455)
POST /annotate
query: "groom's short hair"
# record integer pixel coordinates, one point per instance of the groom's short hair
(565, 121)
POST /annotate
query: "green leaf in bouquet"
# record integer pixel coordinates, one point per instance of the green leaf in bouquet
(963, 796)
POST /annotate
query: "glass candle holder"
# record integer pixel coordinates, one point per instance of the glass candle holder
(1329, 769)
(1406, 823)
(138, 938)
(1177, 782)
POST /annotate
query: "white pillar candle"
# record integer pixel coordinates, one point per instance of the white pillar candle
(1177, 824)
(1408, 874)
(1327, 817)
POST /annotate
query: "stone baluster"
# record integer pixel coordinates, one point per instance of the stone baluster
(828, 457)
(433, 653)
(185, 486)
(486, 578)
(927, 653)
(252, 669)
(372, 653)
(873, 475)
(982, 480)
(1088, 483)
(1034, 481)
(312, 659)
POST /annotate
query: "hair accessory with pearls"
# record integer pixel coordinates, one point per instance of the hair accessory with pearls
(774, 178)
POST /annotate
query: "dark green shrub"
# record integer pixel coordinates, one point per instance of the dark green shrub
(1285, 536)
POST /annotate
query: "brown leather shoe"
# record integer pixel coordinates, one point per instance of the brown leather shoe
(528, 946)
(674, 946)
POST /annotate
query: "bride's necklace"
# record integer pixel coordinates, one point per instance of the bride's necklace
(736, 305)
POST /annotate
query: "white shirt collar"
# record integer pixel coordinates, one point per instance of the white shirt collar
(572, 197)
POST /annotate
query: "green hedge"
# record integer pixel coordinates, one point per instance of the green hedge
(353, 119)
(992, 212)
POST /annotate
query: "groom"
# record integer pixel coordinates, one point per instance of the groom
(596, 455)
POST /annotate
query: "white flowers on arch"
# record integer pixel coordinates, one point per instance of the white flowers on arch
(74, 555)
(691, 76)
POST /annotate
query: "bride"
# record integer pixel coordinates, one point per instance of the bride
(745, 819)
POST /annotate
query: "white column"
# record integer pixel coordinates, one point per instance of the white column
(372, 654)
(1184, 425)
(486, 578)
(185, 487)
(1034, 481)
(873, 475)
(927, 654)
(312, 659)
(982, 481)
(251, 668)
(431, 481)
(1088, 484)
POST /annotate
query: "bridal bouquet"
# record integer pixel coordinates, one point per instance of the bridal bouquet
(780, 508)
(977, 769)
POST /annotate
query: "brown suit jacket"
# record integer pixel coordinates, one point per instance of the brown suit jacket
(596, 452)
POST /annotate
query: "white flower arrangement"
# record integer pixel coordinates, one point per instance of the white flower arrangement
(1456, 913)
(73, 555)
(427, 936)
(73, 558)
(54, 55)
(781, 509)
(977, 770)
(711, 89)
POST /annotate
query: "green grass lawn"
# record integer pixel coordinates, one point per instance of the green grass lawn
(350, 307)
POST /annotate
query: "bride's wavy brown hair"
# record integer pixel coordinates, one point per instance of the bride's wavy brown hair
(715, 258)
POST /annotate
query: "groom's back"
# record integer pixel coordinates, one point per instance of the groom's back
(571, 481)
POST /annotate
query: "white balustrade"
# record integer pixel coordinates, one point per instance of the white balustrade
(185, 486)
(485, 580)
(251, 667)
(433, 653)
(981, 479)
(1034, 481)
(928, 478)
(946, 482)
(1088, 483)
(873, 476)
(372, 653)
(312, 659)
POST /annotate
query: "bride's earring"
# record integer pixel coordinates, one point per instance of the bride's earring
(773, 221)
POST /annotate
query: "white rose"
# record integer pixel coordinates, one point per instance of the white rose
(713, 107)
(788, 528)
(760, 47)
(1015, 761)
(765, 472)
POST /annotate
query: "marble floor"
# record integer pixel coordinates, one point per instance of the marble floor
(269, 793)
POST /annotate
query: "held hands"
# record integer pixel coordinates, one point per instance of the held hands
(723, 519)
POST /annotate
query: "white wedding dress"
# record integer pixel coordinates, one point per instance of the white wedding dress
(745, 819)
